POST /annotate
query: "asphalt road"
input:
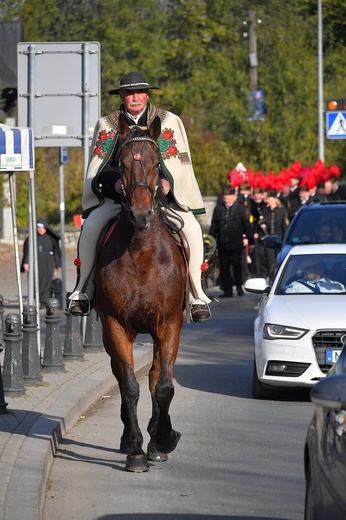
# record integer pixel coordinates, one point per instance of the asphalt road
(238, 457)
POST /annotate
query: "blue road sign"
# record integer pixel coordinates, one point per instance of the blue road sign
(336, 125)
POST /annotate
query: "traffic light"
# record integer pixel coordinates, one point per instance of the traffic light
(336, 104)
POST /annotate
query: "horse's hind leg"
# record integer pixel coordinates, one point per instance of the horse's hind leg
(132, 439)
(163, 439)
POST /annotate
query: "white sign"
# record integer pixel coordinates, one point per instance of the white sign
(60, 100)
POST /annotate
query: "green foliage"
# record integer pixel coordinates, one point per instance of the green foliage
(197, 53)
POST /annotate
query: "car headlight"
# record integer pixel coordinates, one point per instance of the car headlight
(274, 331)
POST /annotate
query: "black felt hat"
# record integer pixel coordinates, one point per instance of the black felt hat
(228, 190)
(132, 81)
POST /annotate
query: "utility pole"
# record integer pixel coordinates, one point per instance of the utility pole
(253, 51)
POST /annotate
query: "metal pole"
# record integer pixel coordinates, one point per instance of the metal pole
(253, 50)
(33, 282)
(86, 92)
(33, 266)
(15, 240)
(62, 223)
(320, 85)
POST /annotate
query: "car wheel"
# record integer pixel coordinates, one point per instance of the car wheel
(259, 391)
(309, 510)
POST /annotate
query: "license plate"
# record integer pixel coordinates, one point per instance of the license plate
(332, 356)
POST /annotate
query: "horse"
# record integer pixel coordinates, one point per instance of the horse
(140, 279)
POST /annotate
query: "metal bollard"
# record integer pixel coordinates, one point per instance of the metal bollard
(93, 333)
(13, 367)
(52, 356)
(3, 404)
(57, 290)
(73, 345)
(30, 353)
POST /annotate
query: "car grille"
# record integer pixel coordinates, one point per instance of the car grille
(326, 340)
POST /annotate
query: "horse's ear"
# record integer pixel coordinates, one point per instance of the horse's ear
(123, 127)
(155, 128)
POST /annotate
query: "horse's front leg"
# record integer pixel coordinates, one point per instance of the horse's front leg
(163, 439)
(119, 347)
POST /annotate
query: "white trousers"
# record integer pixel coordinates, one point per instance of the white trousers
(99, 217)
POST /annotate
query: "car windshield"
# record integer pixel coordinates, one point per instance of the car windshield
(313, 274)
(313, 227)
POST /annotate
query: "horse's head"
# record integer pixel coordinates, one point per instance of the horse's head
(139, 164)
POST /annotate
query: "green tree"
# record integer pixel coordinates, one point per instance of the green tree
(198, 55)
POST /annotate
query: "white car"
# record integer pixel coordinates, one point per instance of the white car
(301, 325)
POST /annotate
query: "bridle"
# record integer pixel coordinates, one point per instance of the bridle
(137, 158)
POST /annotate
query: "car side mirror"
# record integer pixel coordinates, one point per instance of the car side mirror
(330, 392)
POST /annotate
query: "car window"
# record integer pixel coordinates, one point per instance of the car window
(313, 226)
(313, 274)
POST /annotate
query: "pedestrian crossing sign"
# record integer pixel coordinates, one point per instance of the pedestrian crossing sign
(336, 125)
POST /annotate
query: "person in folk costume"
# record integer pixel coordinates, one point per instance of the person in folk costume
(48, 258)
(314, 195)
(294, 174)
(229, 225)
(275, 223)
(241, 179)
(289, 198)
(101, 197)
(333, 190)
(260, 268)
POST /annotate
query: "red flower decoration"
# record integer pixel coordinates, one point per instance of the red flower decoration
(167, 134)
(102, 143)
(172, 150)
(204, 266)
(167, 144)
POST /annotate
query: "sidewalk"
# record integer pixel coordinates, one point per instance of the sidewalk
(36, 421)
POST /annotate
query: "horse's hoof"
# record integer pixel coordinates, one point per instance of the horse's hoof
(169, 447)
(137, 463)
(154, 454)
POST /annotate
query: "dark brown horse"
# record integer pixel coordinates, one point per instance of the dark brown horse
(140, 279)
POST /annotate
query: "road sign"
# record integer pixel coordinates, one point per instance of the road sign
(16, 149)
(336, 124)
(59, 91)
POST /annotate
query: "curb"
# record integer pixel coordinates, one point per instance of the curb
(26, 489)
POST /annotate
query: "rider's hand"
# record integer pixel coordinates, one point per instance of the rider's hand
(165, 186)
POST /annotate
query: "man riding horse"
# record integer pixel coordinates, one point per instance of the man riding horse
(102, 189)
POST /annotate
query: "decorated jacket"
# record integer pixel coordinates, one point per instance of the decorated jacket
(175, 160)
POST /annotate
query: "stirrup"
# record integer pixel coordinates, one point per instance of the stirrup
(78, 307)
(199, 310)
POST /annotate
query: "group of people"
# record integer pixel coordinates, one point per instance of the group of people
(245, 216)
(240, 222)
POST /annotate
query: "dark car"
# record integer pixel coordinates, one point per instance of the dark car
(310, 226)
(325, 448)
